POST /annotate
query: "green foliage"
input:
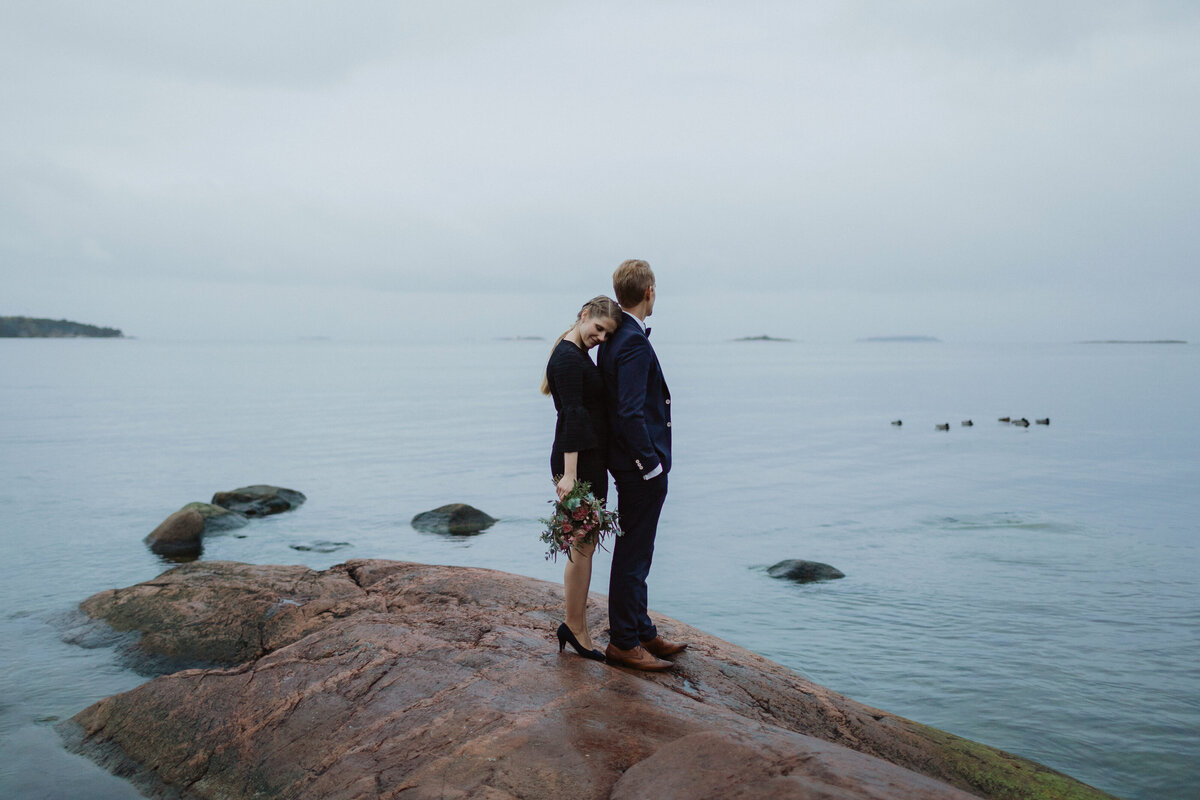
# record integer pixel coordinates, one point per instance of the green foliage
(579, 520)
(30, 327)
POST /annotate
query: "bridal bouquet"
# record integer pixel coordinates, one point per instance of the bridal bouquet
(579, 519)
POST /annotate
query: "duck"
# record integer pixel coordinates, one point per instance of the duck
(1005, 419)
(1045, 421)
(897, 422)
(1024, 423)
(945, 426)
(966, 423)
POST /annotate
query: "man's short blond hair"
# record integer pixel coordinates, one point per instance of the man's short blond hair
(631, 280)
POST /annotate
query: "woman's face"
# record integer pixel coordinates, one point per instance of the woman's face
(595, 329)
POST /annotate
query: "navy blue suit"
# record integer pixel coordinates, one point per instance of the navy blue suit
(639, 412)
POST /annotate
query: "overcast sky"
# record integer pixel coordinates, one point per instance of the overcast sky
(999, 171)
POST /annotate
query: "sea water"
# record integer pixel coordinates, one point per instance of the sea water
(1033, 588)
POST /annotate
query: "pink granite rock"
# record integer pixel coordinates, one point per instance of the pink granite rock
(397, 680)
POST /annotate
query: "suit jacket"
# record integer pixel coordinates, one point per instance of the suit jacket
(639, 403)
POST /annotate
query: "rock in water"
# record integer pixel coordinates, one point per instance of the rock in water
(319, 546)
(804, 571)
(388, 679)
(217, 518)
(259, 501)
(180, 534)
(457, 518)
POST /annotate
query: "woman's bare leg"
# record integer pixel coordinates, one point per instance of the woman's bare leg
(577, 579)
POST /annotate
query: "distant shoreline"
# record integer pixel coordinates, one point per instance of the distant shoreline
(1135, 341)
(901, 339)
(36, 328)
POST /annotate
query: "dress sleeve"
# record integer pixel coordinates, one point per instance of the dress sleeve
(575, 429)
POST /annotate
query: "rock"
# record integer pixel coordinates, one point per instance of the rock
(320, 546)
(458, 518)
(218, 612)
(804, 571)
(217, 518)
(390, 679)
(759, 765)
(179, 534)
(259, 501)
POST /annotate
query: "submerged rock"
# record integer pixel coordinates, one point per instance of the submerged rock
(804, 571)
(390, 679)
(217, 518)
(458, 518)
(320, 546)
(259, 500)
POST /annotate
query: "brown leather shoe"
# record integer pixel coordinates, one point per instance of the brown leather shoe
(660, 647)
(637, 658)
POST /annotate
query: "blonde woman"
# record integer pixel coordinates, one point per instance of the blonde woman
(580, 447)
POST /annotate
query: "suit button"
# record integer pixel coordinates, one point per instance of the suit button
(668, 424)
(668, 401)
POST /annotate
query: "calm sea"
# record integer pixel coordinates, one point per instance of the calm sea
(1035, 589)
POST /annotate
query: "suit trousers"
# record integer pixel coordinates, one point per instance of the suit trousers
(639, 504)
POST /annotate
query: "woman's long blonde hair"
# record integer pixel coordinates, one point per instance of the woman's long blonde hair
(601, 305)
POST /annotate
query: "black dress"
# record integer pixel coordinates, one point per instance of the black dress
(577, 386)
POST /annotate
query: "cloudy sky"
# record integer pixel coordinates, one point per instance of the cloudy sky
(826, 170)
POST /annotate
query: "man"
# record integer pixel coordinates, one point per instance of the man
(639, 458)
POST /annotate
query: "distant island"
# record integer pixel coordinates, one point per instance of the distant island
(1135, 341)
(901, 339)
(32, 328)
(763, 338)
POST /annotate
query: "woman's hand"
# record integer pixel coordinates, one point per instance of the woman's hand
(565, 484)
(570, 471)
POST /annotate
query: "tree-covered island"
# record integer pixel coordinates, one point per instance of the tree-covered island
(33, 328)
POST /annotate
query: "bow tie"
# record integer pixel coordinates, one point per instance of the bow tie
(647, 333)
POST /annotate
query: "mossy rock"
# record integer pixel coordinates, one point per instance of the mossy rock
(998, 775)
(259, 500)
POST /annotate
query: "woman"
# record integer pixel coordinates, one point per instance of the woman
(580, 446)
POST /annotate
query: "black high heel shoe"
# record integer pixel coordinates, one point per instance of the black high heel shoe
(567, 636)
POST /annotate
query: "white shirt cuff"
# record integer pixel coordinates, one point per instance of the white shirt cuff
(654, 473)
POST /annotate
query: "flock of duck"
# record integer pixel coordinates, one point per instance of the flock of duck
(966, 423)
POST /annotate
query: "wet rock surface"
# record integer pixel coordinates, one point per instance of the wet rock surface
(456, 518)
(217, 518)
(391, 679)
(259, 501)
(804, 571)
